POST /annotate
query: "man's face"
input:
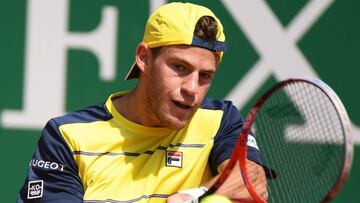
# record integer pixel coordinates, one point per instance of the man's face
(176, 83)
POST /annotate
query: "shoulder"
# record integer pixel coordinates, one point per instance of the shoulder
(227, 107)
(86, 115)
(216, 104)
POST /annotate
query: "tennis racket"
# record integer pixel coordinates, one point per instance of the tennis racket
(303, 133)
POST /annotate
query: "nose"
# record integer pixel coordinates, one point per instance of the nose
(191, 84)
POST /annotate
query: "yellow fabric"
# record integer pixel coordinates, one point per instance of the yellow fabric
(108, 174)
(165, 28)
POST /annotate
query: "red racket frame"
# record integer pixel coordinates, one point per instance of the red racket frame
(240, 151)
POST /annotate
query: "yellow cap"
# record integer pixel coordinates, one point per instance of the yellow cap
(174, 23)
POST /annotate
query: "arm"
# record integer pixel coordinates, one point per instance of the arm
(224, 144)
(234, 186)
(52, 174)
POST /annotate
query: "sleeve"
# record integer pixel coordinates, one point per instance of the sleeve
(52, 174)
(225, 139)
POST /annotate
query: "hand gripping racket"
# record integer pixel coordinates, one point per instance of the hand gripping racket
(303, 133)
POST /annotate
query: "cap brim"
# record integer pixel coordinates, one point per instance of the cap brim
(134, 72)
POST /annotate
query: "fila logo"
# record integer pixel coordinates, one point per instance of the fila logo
(174, 159)
(35, 189)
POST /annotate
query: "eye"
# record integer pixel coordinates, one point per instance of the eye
(206, 76)
(179, 67)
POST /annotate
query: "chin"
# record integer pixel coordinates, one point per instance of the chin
(176, 124)
(175, 121)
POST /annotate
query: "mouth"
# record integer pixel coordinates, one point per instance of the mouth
(183, 105)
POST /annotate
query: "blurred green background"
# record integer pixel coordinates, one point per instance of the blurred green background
(48, 65)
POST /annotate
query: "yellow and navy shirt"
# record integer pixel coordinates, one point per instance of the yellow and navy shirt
(97, 155)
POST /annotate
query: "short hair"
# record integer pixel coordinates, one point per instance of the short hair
(206, 28)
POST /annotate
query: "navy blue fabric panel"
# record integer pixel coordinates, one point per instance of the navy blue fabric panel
(255, 155)
(228, 133)
(54, 166)
(225, 139)
(215, 104)
(210, 44)
(62, 200)
(89, 114)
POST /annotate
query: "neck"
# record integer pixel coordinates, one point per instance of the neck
(133, 107)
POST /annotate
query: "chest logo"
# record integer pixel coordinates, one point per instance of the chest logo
(174, 159)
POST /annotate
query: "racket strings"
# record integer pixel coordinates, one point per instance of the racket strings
(292, 163)
(331, 129)
(294, 129)
(294, 94)
(290, 95)
(330, 124)
(284, 197)
(318, 124)
(314, 119)
(276, 130)
(281, 153)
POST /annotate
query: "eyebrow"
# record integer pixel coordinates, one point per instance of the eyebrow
(209, 70)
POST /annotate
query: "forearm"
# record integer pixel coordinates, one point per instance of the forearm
(234, 185)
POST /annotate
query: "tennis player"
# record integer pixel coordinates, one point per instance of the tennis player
(162, 141)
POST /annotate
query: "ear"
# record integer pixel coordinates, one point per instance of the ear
(142, 56)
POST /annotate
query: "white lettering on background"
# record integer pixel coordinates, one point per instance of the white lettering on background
(47, 41)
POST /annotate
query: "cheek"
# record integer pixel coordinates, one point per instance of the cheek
(158, 90)
(164, 82)
(203, 91)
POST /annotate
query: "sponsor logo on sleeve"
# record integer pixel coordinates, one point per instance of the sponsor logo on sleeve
(47, 165)
(174, 159)
(35, 189)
